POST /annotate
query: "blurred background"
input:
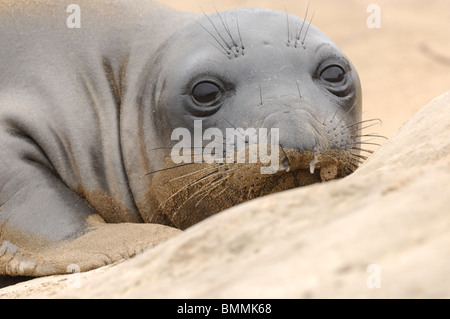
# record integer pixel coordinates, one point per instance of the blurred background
(402, 65)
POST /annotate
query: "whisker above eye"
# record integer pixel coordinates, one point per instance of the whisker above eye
(297, 36)
(239, 32)
(215, 28)
(225, 26)
(288, 29)
(307, 28)
(225, 49)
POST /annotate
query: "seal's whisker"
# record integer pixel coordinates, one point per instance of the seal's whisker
(363, 128)
(339, 122)
(171, 147)
(197, 193)
(224, 24)
(207, 187)
(168, 168)
(212, 200)
(227, 29)
(348, 112)
(239, 32)
(159, 148)
(226, 50)
(361, 149)
(193, 173)
(288, 29)
(365, 121)
(349, 171)
(215, 28)
(369, 140)
(307, 28)
(357, 160)
(297, 36)
(240, 189)
(325, 118)
(367, 143)
(202, 189)
(237, 197)
(363, 141)
(232, 191)
(223, 190)
(359, 156)
(204, 176)
(353, 106)
(355, 165)
(260, 95)
(335, 113)
(212, 190)
(185, 187)
(215, 182)
(370, 135)
(233, 127)
(298, 88)
(221, 51)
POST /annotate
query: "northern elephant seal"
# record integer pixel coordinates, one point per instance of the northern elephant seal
(87, 117)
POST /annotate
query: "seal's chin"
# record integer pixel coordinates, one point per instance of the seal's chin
(188, 193)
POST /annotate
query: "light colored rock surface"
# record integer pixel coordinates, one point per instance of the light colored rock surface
(316, 241)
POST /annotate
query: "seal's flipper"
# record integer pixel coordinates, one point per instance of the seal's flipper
(45, 227)
(100, 245)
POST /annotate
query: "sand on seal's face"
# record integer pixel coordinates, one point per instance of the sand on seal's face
(188, 194)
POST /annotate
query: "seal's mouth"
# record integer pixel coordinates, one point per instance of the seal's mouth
(188, 193)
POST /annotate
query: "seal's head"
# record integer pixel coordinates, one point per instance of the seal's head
(251, 69)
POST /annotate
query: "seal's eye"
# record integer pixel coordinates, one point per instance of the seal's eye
(205, 92)
(333, 74)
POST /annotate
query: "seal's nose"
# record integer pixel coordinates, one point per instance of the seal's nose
(295, 130)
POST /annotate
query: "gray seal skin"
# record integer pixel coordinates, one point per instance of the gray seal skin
(86, 117)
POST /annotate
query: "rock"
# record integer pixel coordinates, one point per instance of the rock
(381, 232)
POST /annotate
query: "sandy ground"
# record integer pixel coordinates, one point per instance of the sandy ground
(402, 65)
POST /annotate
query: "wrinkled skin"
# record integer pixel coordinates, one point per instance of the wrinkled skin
(86, 117)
